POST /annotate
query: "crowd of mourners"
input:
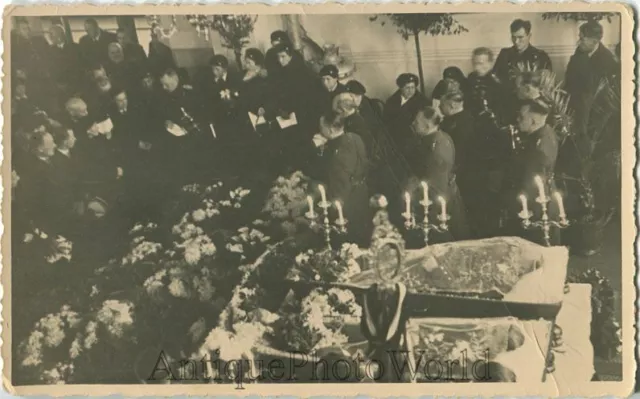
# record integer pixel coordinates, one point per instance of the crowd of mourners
(101, 127)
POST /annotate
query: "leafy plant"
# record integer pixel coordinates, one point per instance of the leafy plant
(234, 30)
(579, 16)
(587, 142)
(412, 25)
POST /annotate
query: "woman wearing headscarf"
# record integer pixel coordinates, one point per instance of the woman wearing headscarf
(401, 109)
(453, 79)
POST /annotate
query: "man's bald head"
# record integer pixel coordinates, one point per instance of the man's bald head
(76, 107)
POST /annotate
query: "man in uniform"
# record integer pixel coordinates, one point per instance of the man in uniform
(521, 55)
(537, 158)
(344, 171)
(486, 103)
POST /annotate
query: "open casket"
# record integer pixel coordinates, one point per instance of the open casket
(484, 310)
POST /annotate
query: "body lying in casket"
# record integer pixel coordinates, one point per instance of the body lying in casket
(470, 309)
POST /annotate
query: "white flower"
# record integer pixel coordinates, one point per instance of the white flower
(178, 289)
(235, 248)
(116, 315)
(208, 249)
(27, 237)
(33, 349)
(94, 291)
(76, 348)
(91, 338)
(192, 254)
(302, 259)
(199, 215)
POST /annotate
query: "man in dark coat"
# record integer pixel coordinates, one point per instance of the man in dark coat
(433, 162)
(344, 170)
(388, 167)
(330, 83)
(401, 109)
(133, 52)
(94, 45)
(521, 55)
(160, 55)
(537, 159)
(591, 64)
(65, 62)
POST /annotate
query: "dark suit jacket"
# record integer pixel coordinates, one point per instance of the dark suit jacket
(399, 117)
(96, 51)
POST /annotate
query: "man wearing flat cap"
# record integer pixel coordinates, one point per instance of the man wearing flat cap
(330, 83)
(401, 109)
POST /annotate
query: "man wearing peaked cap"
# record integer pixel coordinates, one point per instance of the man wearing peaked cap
(330, 82)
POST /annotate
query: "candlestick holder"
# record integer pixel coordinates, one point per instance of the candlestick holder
(545, 223)
(340, 226)
(426, 226)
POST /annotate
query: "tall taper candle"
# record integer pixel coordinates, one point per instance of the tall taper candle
(558, 197)
(443, 204)
(340, 215)
(525, 206)
(425, 191)
(323, 194)
(407, 199)
(310, 202)
(540, 184)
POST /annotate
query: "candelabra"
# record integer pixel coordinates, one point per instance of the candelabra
(339, 226)
(156, 26)
(426, 226)
(545, 223)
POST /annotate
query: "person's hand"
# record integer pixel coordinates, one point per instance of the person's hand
(93, 131)
(261, 111)
(119, 172)
(319, 140)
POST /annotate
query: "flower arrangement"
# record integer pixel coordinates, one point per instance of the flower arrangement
(286, 202)
(605, 329)
(177, 274)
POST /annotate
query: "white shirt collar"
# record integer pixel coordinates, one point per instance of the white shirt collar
(594, 50)
(64, 151)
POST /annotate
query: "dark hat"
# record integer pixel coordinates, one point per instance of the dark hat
(406, 78)
(355, 87)
(254, 55)
(219, 60)
(329, 70)
(454, 73)
(280, 36)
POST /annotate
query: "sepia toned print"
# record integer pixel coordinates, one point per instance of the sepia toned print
(389, 200)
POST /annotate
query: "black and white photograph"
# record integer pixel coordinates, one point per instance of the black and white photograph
(236, 199)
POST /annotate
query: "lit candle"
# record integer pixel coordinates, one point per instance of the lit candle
(310, 202)
(323, 194)
(443, 204)
(425, 191)
(560, 204)
(525, 206)
(340, 216)
(407, 199)
(540, 184)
